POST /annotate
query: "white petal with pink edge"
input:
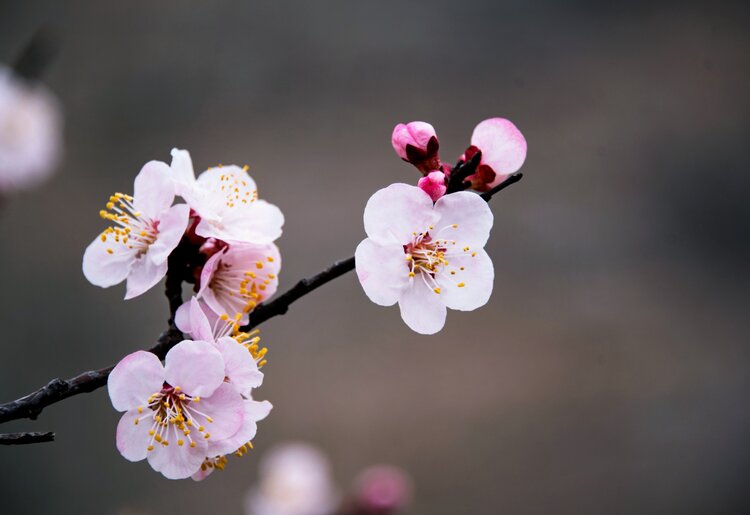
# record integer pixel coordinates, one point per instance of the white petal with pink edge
(382, 271)
(172, 225)
(134, 379)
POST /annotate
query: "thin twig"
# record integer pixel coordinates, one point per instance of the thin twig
(30, 406)
(26, 438)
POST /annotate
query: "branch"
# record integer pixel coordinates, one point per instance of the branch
(57, 390)
(26, 438)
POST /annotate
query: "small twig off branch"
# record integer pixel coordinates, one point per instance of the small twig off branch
(26, 438)
(30, 406)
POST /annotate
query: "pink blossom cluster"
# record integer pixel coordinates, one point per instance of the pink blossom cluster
(186, 415)
(223, 220)
(425, 245)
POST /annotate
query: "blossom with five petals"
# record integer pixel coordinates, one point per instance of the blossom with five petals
(425, 256)
(146, 227)
(226, 200)
(173, 411)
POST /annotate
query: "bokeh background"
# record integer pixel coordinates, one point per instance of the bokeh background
(609, 371)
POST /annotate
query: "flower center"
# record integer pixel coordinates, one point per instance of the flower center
(131, 229)
(236, 189)
(242, 289)
(427, 255)
(174, 416)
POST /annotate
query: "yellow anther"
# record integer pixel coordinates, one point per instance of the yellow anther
(157, 438)
(411, 274)
(437, 290)
(207, 436)
(150, 432)
(210, 420)
(201, 428)
(270, 259)
(455, 226)
(140, 409)
(461, 285)
(180, 443)
(110, 251)
(150, 448)
(192, 444)
(259, 265)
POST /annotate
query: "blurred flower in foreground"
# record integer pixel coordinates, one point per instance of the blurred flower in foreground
(381, 490)
(295, 479)
(30, 132)
(425, 256)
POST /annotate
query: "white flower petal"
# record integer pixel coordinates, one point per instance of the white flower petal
(134, 379)
(172, 226)
(132, 439)
(422, 309)
(382, 271)
(153, 191)
(465, 218)
(470, 288)
(394, 213)
(144, 274)
(106, 269)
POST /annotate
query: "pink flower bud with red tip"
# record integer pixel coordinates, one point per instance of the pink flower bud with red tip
(433, 184)
(503, 149)
(417, 143)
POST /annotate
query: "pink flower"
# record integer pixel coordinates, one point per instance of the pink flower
(146, 228)
(417, 143)
(433, 184)
(30, 133)
(382, 489)
(503, 150)
(425, 257)
(242, 360)
(173, 412)
(226, 200)
(241, 368)
(239, 277)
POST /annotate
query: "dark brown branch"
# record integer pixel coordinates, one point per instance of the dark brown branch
(57, 390)
(26, 438)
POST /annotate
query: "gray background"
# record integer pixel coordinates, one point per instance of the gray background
(609, 371)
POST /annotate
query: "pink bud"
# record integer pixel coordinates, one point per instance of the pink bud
(503, 150)
(417, 143)
(382, 489)
(433, 184)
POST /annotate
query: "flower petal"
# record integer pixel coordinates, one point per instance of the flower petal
(172, 226)
(194, 366)
(177, 461)
(199, 327)
(182, 170)
(134, 379)
(382, 271)
(465, 218)
(253, 411)
(422, 309)
(394, 213)
(259, 222)
(471, 287)
(105, 269)
(503, 147)
(153, 191)
(225, 407)
(132, 439)
(239, 365)
(144, 274)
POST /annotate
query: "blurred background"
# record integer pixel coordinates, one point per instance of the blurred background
(607, 374)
